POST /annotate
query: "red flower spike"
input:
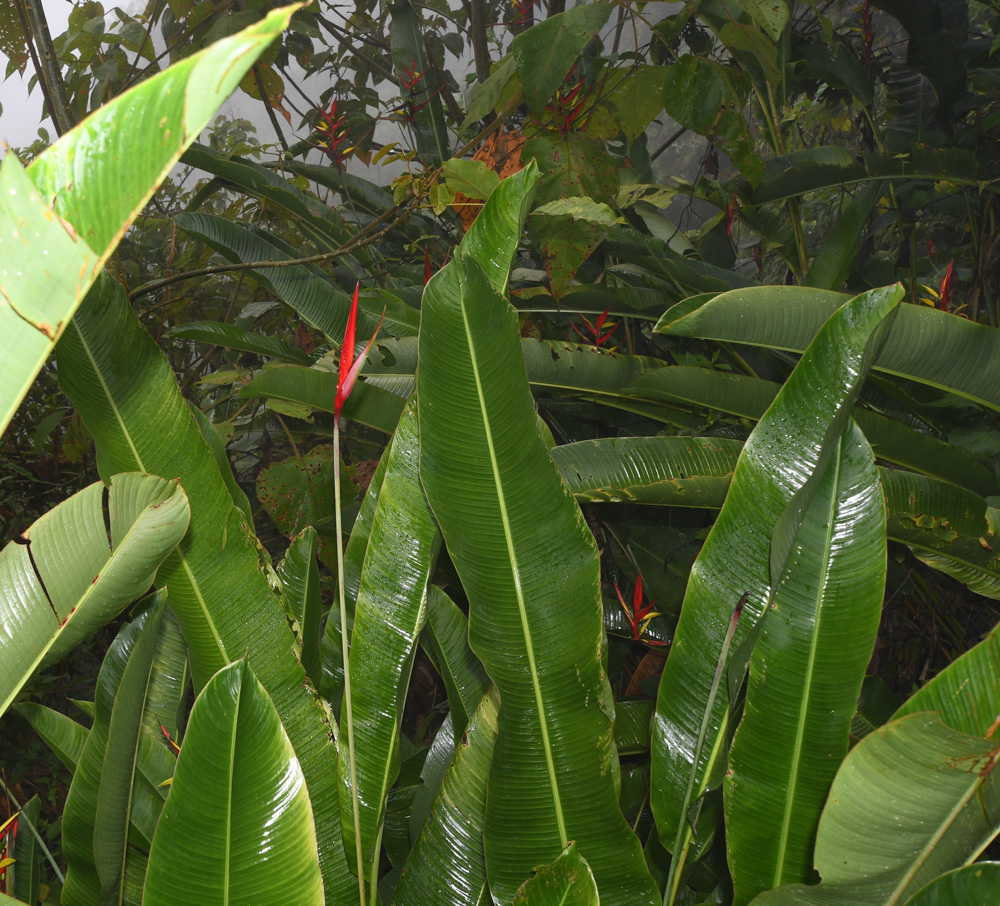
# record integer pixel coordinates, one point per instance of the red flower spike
(167, 737)
(946, 287)
(640, 616)
(730, 216)
(349, 367)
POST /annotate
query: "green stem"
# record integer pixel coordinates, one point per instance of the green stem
(682, 842)
(34, 831)
(346, 712)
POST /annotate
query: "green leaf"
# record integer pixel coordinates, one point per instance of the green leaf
(679, 471)
(973, 885)
(494, 235)
(88, 188)
(584, 209)
(84, 850)
(815, 169)
(922, 344)
(237, 827)
(402, 552)
(367, 404)
(231, 337)
(749, 397)
(806, 672)
(878, 843)
(832, 264)
(524, 555)
(965, 695)
(789, 444)
(304, 288)
(299, 576)
(486, 95)
(81, 583)
(121, 755)
(446, 865)
(708, 98)
(770, 15)
(573, 165)
(546, 52)
(470, 177)
(410, 60)
(27, 854)
(122, 385)
(218, 447)
(63, 735)
(566, 882)
(460, 670)
(638, 98)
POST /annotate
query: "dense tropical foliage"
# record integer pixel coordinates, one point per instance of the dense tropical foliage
(574, 594)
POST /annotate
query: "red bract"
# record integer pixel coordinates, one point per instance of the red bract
(595, 329)
(945, 292)
(639, 616)
(730, 216)
(349, 367)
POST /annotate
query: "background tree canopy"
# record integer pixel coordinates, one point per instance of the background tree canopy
(652, 557)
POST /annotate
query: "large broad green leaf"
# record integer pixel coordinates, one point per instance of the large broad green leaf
(526, 560)
(806, 672)
(966, 694)
(547, 51)
(122, 385)
(446, 866)
(814, 169)
(237, 827)
(791, 441)
(749, 397)
(91, 863)
(121, 756)
(974, 885)
(566, 882)
(424, 110)
(61, 220)
(912, 800)
(68, 581)
(923, 344)
(679, 471)
(390, 611)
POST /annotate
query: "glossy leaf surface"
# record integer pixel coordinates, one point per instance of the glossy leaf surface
(790, 442)
(806, 672)
(974, 885)
(389, 613)
(923, 344)
(524, 555)
(237, 827)
(82, 582)
(61, 220)
(566, 882)
(124, 388)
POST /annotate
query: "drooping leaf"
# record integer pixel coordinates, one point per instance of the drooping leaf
(973, 885)
(232, 337)
(124, 388)
(806, 672)
(61, 220)
(82, 582)
(63, 735)
(922, 344)
(840, 249)
(524, 555)
(237, 827)
(299, 576)
(788, 445)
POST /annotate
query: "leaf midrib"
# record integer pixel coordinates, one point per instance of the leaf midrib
(516, 573)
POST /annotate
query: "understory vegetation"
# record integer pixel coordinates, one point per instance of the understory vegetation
(559, 467)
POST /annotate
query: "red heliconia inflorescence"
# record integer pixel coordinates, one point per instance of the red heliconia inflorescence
(349, 366)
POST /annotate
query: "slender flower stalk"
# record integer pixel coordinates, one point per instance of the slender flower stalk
(348, 375)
